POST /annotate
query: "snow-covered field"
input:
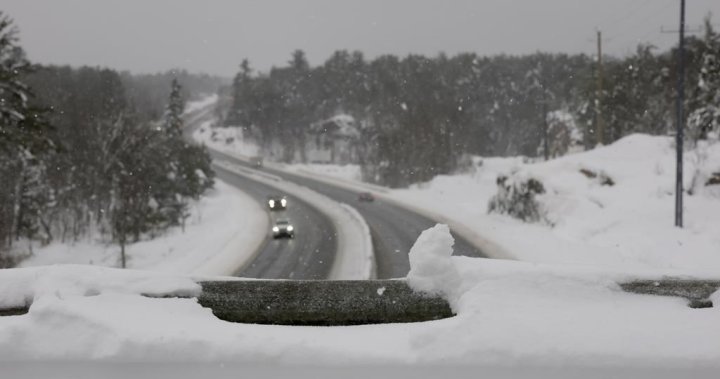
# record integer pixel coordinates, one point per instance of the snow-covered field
(509, 314)
(225, 228)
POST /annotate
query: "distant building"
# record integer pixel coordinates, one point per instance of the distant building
(334, 140)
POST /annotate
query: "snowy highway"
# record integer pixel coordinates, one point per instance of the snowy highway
(308, 256)
(394, 229)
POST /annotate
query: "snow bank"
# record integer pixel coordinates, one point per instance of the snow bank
(23, 287)
(345, 172)
(509, 313)
(627, 224)
(226, 228)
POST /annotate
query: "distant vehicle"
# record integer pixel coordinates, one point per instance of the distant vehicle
(257, 162)
(283, 228)
(277, 203)
(366, 196)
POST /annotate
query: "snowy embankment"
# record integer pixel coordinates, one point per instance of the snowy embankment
(355, 258)
(585, 219)
(509, 314)
(225, 229)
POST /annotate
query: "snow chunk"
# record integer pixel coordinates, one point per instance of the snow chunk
(715, 298)
(431, 268)
(23, 286)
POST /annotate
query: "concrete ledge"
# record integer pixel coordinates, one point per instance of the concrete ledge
(697, 292)
(322, 303)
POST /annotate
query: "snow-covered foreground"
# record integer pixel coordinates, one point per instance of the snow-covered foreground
(509, 314)
(225, 228)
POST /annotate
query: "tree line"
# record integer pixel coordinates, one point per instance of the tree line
(80, 158)
(419, 116)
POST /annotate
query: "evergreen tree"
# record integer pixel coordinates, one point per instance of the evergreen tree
(705, 118)
(175, 109)
(24, 139)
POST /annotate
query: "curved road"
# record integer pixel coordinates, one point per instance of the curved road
(394, 229)
(308, 256)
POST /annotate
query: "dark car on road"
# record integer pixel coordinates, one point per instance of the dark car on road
(366, 196)
(277, 203)
(283, 229)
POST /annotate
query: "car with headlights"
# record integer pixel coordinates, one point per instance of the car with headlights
(283, 229)
(277, 203)
(366, 196)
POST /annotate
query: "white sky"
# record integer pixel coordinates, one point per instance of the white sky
(215, 35)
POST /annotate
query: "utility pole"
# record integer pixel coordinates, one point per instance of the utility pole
(680, 114)
(679, 137)
(599, 122)
(546, 144)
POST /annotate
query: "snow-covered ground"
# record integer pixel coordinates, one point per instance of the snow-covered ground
(509, 314)
(629, 224)
(225, 228)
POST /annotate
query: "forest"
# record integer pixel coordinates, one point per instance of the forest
(92, 153)
(422, 116)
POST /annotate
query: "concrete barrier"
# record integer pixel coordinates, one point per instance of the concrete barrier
(322, 303)
(697, 292)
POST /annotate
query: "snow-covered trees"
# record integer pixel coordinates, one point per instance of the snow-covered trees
(101, 170)
(154, 173)
(419, 115)
(704, 119)
(24, 137)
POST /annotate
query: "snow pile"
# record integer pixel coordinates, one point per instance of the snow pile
(349, 172)
(509, 313)
(23, 287)
(612, 206)
(431, 269)
(225, 227)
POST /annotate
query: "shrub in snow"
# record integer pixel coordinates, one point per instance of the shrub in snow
(516, 198)
(431, 269)
(601, 177)
(714, 180)
(563, 135)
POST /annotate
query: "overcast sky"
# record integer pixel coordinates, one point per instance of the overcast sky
(213, 36)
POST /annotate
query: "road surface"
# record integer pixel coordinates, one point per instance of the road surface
(394, 229)
(308, 256)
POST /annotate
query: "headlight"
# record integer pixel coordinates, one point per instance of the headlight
(283, 202)
(276, 229)
(272, 203)
(290, 228)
